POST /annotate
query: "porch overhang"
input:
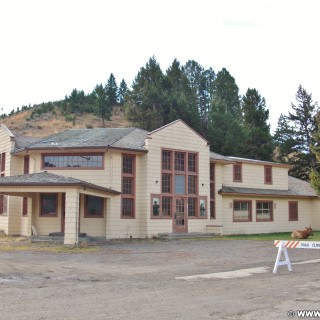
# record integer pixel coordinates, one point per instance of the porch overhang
(29, 184)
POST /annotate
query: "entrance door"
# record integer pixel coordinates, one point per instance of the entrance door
(180, 222)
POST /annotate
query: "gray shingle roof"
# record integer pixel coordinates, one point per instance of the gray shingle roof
(49, 179)
(126, 138)
(219, 157)
(297, 187)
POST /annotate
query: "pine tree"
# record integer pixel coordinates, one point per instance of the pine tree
(101, 103)
(226, 90)
(122, 92)
(147, 99)
(112, 91)
(303, 129)
(181, 99)
(255, 117)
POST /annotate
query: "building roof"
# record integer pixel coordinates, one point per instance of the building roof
(259, 162)
(218, 157)
(297, 188)
(123, 138)
(49, 179)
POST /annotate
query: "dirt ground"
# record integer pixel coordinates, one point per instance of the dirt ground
(139, 280)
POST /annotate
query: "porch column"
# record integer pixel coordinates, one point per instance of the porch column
(29, 217)
(71, 235)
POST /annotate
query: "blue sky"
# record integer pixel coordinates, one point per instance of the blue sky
(50, 47)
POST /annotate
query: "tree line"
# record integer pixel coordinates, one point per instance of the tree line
(210, 103)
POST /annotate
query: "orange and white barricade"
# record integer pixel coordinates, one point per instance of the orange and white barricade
(283, 245)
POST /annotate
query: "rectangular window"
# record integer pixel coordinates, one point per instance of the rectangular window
(3, 204)
(26, 164)
(73, 161)
(25, 206)
(293, 211)
(94, 207)
(179, 176)
(179, 161)
(3, 162)
(264, 210)
(192, 184)
(212, 191)
(179, 184)
(127, 208)
(192, 207)
(241, 211)
(166, 206)
(267, 174)
(166, 183)
(192, 162)
(237, 172)
(48, 204)
(127, 164)
(128, 186)
(166, 160)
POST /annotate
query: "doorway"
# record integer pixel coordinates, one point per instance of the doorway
(180, 218)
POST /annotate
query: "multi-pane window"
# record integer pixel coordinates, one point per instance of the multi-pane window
(237, 172)
(127, 208)
(192, 207)
(2, 163)
(241, 210)
(192, 162)
(264, 210)
(166, 183)
(26, 161)
(48, 204)
(293, 210)
(267, 174)
(179, 161)
(192, 184)
(94, 207)
(179, 180)
(128, 186)
(166, 206)
(3, 198)
(212, 191)
(166, 160)
(73, 161)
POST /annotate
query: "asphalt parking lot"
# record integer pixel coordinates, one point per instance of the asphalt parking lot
(159, 280)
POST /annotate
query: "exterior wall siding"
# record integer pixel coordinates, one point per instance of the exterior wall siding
(280, 221)
(253, 177)
(178, 137)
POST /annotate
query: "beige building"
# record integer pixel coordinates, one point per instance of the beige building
(127, 182)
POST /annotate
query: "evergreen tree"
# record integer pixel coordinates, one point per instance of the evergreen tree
(201, 83)
(101, 103)
(147, 99)
(122, 91)
(225, 132)
(283, 139)
(181, 99)
(255, 117)
(226, 90)
(302, 132)
(112, 91)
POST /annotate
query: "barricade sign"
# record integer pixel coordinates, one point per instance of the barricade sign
(283, 245)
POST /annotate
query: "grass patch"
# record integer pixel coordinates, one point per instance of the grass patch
(266, 237)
